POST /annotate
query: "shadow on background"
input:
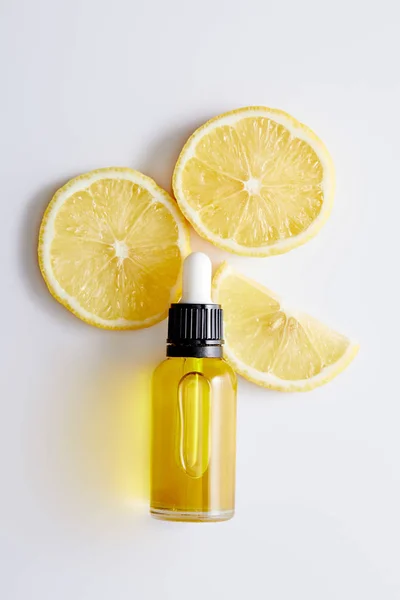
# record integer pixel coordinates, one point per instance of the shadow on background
(113, 434)
(28, 251)
(163, 152)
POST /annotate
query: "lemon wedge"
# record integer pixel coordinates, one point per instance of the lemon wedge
(111, 247)
(274, 347)
(255, 181)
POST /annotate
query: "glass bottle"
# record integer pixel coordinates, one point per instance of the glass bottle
(194, 410)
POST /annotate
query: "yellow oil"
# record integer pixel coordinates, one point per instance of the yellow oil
(193, 440)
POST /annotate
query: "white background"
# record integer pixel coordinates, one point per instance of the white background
(94, 83)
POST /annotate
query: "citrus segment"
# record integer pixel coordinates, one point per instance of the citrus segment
(271, 346)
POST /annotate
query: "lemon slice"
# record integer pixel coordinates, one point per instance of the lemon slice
(255, 181)
(271, 346)
(111, 248)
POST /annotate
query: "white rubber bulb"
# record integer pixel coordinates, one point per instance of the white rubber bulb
(196, 288)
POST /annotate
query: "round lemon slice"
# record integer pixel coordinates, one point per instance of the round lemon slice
(255, 181)
(111, 247)
(271, 346)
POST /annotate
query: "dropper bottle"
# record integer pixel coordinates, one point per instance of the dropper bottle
(194, 409)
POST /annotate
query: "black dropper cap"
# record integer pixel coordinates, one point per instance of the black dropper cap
(195, 329)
